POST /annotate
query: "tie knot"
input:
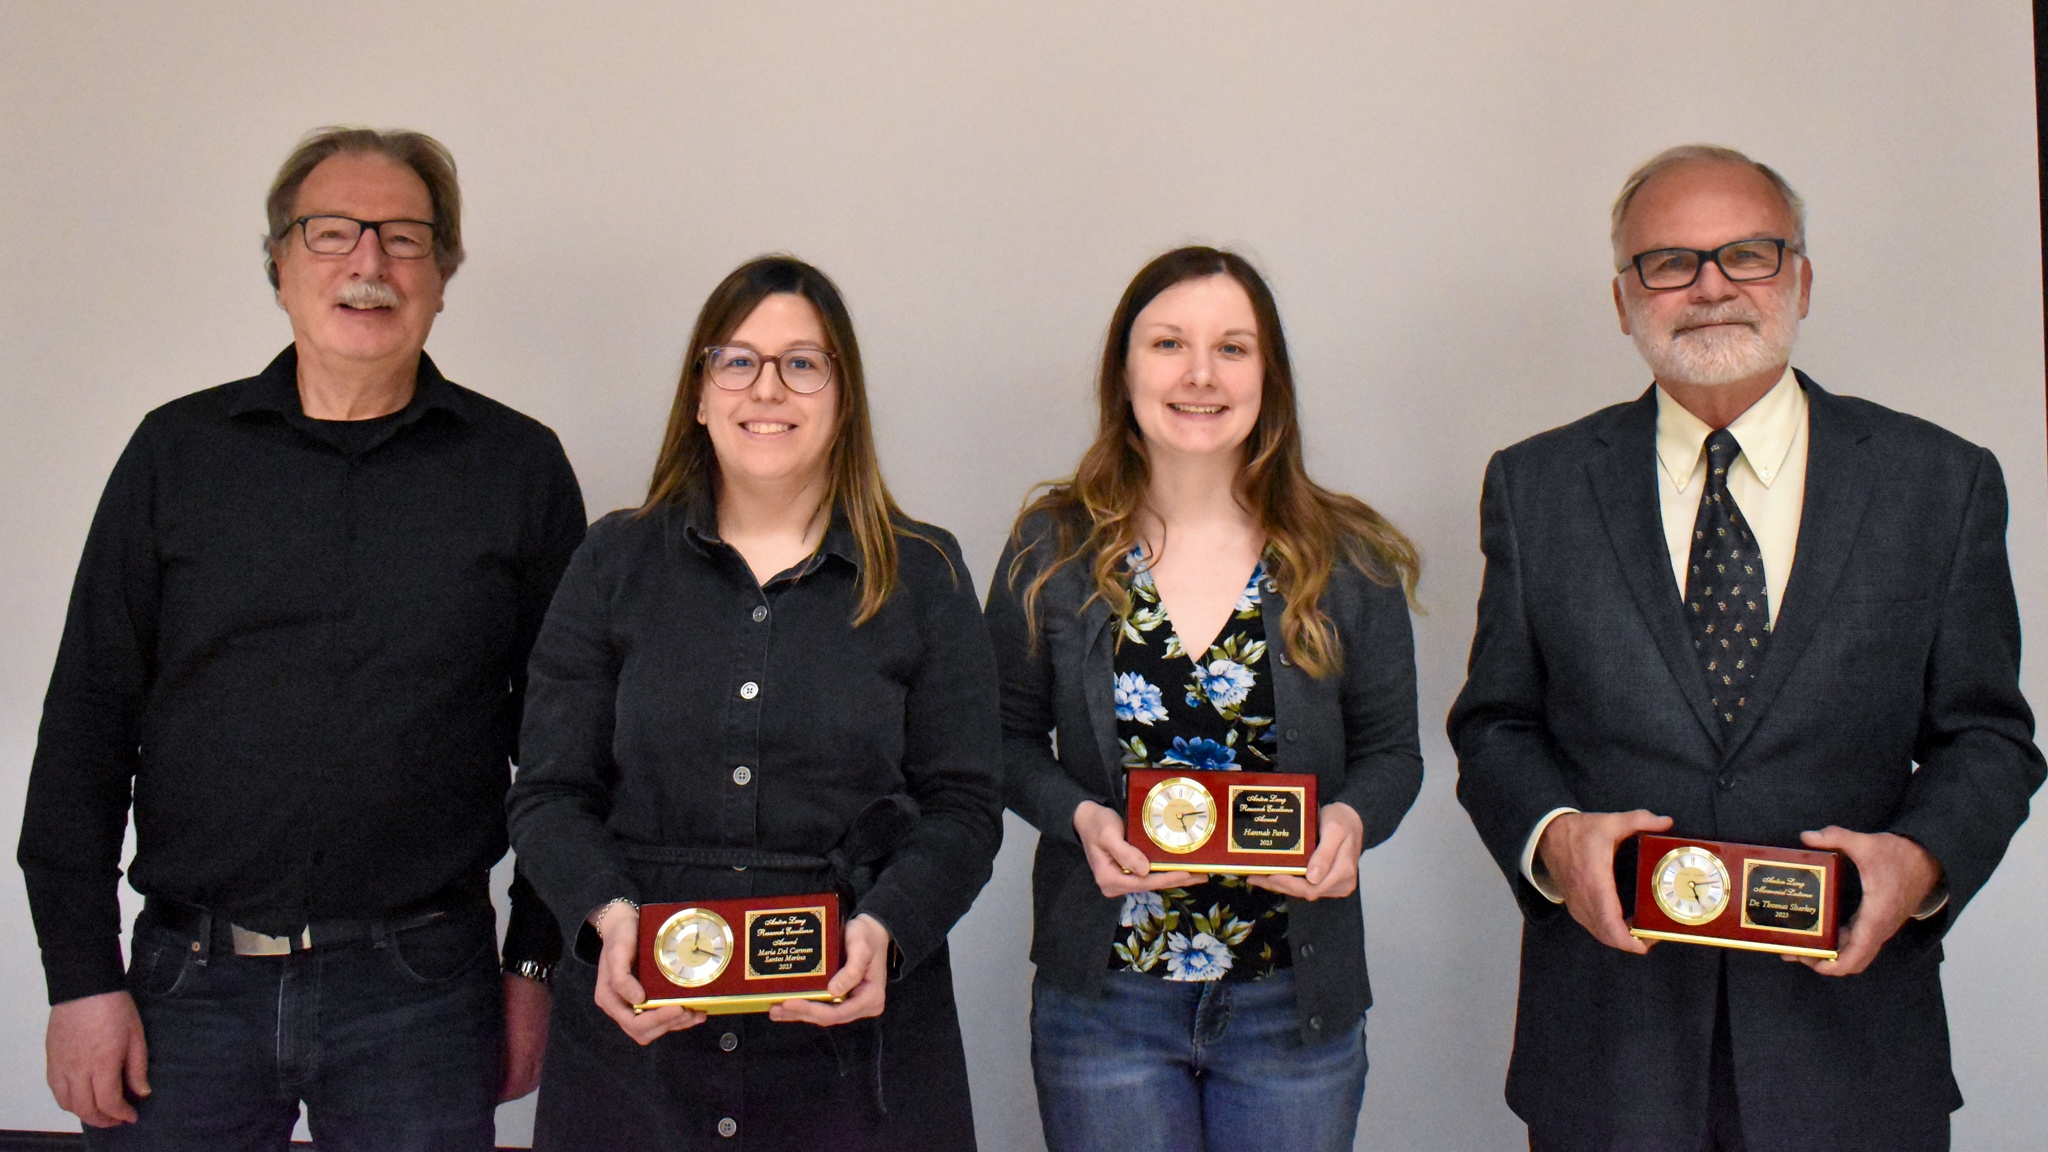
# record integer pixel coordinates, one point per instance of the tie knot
(1722, 450)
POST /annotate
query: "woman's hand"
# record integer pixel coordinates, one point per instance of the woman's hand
(862, 984)
(1333, 869)
(1119, 868)
(617, 991)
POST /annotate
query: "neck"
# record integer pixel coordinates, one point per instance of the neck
(788, 508)
(1193, 492)
(331, 388)
(1719, 404)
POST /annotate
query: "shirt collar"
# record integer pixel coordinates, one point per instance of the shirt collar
(276, 389)
(699, 516)
(1765, 432)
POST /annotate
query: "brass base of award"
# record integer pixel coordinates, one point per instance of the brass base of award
(1267, 821)
(786, 948)
(1737, 895)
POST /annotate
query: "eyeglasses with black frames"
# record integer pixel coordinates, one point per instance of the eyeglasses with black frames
(338, 235)
(735, 367)
(1741, 261)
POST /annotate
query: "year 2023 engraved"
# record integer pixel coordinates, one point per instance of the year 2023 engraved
(1266, 819)
(785, 942)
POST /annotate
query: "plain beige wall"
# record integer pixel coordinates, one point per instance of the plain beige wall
(1425, 183)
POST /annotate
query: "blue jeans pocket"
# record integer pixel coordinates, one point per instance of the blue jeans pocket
(445, 949)
(158, 962)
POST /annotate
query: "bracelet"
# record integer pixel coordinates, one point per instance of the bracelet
(596, 918)
(538, 971)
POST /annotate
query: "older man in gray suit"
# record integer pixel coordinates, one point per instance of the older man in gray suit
(1745, 608)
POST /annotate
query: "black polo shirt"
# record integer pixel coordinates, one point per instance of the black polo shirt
(303, 646)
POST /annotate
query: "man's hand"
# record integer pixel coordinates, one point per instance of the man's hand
(1119, 868)
(1333, 867)
(617, 990)
(93, 1047)
(862, 984)
(526, 1035)
(1897, 877)
(1577, 850)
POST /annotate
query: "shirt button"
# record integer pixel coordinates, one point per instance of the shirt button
(1726, 781)
(742, 775)
(749, 690)
(1307, 950)
(1315, 1023)
(1284, 661)
(728, 1042)
(1293, 734)
(760, 613)
(727, 1126)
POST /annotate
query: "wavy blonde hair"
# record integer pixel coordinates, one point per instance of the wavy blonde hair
(1309, 529)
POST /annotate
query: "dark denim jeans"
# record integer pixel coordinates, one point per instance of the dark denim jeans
(393, 1046)
(1165, 1066)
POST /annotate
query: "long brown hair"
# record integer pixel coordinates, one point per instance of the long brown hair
(1309, 529)
(687, 468)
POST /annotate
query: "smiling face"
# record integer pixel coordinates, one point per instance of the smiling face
(365, 307)
(1715, 332)
(766, 434)
(1194, 374)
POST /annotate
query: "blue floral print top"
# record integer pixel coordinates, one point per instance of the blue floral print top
(1215, 713)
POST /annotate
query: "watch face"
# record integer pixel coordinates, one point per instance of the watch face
(1691, 885)
(693, 947)
(1179, 814)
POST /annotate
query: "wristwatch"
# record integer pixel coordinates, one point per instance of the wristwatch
(540, 972)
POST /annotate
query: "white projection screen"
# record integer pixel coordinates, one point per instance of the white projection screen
(1425, 182)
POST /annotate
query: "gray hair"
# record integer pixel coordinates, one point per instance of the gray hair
(1711, 153)
(416, 150)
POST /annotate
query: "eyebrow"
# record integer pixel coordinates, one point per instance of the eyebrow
(1166, 327)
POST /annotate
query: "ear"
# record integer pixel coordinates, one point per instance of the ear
(701, 418)
(1621, 309)
(1805, 285)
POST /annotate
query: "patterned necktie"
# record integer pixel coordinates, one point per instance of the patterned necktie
(1725, 598)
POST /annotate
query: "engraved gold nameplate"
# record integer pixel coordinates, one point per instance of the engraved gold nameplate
(1237, 823)
(727, 956)
(1737, 895)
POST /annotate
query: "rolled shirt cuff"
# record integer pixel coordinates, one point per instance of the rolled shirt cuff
(1541, 880)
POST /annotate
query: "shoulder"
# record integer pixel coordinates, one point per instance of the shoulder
(195, 410)
(1567, 444)
(1903, 434)
(928, 558)
(1036, 538)
(504, 424)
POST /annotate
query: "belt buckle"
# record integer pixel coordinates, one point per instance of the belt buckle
(249, 943)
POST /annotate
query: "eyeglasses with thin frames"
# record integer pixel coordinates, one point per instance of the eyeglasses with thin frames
(735, 367)
(1741, 261)
(339, 235)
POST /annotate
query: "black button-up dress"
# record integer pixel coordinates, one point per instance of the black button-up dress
(675, 702)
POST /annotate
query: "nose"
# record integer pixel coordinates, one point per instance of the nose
(1712, 284)
(768, 386)
(1202, 367)
(368, 259)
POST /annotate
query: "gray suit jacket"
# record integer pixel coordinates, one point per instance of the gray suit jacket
(1897, 646)
(1355, 731)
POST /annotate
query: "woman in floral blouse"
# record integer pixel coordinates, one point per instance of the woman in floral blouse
(1190, 599)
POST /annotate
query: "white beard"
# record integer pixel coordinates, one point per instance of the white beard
(1719, 357)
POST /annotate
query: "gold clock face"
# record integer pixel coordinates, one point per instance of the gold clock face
(1179, 815)
(1691, 885)
(693, 947)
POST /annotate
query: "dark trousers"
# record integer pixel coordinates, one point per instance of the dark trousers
(1724, 1116)
(393, 1046)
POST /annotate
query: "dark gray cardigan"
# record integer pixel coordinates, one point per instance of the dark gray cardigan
(1355, 730)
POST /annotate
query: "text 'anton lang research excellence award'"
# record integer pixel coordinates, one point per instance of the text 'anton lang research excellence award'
(1237, 823)
(727, 956)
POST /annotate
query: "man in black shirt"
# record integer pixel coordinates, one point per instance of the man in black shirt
(299, 633)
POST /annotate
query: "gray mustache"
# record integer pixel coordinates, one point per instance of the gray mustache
(367, 294)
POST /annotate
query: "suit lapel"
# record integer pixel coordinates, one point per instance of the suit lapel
(1839, 477)
(1625, 491)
